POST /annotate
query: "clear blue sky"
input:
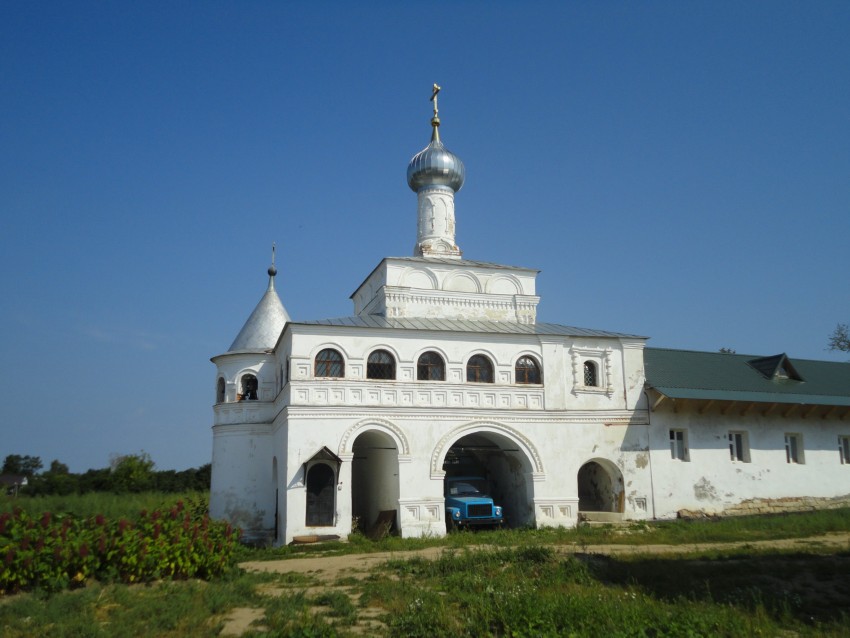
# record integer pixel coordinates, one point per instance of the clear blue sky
(679, 170)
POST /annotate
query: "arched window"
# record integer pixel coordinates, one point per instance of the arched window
(590, 374)
(249, 388)
(479, 369)
(527, 370)
(329, 363)
(380, 365)
(431, 367)
(321, 490)
(219, 391)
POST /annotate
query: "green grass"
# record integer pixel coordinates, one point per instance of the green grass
(533, 591)
(162, 609)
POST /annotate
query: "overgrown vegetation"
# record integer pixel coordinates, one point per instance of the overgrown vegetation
(54, 552)
(108, 504)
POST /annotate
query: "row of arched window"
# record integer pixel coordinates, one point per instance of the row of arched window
(429, 367)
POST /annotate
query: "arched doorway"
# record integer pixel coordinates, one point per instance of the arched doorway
(600, 487)
(321, 491)
(505, 467)
(374, 481)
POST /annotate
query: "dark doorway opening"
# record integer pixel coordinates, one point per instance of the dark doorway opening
(321, 490)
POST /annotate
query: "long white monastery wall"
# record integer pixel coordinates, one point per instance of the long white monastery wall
(710, 481)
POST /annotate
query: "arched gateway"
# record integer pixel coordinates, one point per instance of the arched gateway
(374, 448)
(506, 459)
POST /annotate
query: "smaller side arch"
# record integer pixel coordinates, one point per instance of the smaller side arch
(600, 486)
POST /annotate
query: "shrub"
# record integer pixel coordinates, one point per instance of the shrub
(55, 552)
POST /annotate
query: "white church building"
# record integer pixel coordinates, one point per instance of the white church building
(321, 426)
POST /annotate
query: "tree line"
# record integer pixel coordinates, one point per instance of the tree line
(126, 473)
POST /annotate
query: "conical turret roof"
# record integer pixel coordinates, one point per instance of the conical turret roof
(265, 324)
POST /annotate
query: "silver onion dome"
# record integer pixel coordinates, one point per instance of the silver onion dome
(435, 165)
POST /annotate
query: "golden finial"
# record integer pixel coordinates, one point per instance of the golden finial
(435, 121)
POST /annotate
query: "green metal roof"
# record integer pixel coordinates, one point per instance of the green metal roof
(686, 374)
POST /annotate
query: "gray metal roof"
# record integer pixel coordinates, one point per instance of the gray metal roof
(265, 324)
(687, 374)
(459, 325)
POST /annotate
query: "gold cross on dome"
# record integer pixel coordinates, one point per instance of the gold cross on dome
(434, 98)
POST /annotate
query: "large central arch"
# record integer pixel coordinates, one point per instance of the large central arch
(506, 458)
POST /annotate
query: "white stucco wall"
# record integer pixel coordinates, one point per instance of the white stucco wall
(710, 481)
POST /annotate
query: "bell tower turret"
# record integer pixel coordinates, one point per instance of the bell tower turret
(436, 174)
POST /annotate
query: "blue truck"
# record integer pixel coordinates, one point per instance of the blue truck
(468, 503)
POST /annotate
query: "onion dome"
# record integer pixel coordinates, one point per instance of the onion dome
(265, 324)
(435, 165)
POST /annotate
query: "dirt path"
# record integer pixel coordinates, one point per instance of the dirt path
(326, 571)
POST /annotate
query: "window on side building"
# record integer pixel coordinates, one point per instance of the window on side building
(794, 448)
(844, 449)
(219, 390)
(739, 448)
(679, 445)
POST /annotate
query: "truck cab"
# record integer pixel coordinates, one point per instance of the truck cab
(468, 503)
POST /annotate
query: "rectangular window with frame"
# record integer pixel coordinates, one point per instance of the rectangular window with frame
(794, 448)
(739, 447)
(844, 449)
(679, 445)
